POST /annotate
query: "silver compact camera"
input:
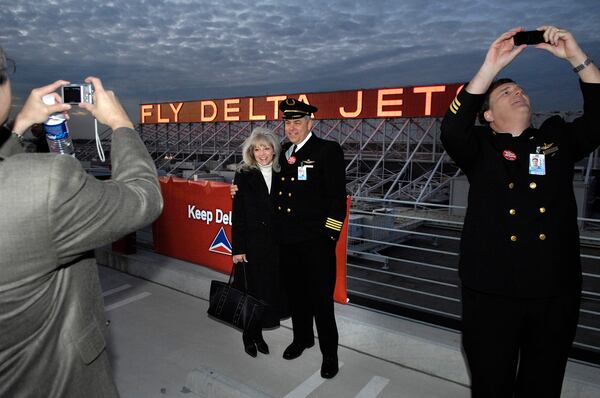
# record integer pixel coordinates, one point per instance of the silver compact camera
(77, 93)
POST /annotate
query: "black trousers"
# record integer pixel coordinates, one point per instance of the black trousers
(309, 269)
(517, 347)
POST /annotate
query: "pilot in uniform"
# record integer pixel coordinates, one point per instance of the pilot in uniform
(310, 207)
(519, 253)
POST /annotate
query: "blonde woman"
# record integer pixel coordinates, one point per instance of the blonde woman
(254, 247)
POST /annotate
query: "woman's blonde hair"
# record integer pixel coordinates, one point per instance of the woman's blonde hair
(260, 135)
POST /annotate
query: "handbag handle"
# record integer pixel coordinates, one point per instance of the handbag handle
(233, 271)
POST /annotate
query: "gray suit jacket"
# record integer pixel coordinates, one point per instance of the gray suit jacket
(52, 215)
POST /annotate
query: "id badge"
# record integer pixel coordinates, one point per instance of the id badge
(537, 164)
(302, 173)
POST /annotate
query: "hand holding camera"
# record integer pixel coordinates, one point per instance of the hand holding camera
(105, 106)
(36, 111)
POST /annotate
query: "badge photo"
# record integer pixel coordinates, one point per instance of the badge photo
(302, 173)
(537, 164)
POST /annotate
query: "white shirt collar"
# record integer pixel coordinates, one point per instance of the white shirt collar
(300, 145)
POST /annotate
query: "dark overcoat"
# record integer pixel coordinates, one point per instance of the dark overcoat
(252, 233)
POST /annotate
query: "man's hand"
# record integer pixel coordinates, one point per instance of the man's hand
(239, 258)
(503, 50)
(36, 111)
(562, 44)
(106, 107)
(501, 53)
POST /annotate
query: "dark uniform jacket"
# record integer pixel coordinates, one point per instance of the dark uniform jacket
(315, 207)
(520, 236)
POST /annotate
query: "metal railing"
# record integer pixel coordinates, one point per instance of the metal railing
(403, 258)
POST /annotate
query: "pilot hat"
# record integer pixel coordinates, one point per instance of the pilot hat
(295, 109)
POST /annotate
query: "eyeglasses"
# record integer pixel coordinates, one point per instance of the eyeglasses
(10, 67)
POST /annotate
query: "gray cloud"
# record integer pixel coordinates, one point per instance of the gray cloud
(181, 50)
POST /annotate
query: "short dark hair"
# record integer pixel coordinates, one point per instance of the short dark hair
(486, 101)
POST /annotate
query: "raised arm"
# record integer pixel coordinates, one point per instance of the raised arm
(501, 53)
(85, 213)
(562, 44)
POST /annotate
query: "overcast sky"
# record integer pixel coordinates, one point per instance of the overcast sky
(156, 51)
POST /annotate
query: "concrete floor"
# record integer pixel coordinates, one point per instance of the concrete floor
(162, 344)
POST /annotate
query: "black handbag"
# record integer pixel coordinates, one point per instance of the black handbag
(235, 306)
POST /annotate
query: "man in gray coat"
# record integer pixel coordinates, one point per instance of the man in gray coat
(53, 215)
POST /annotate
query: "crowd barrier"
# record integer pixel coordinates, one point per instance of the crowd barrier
(195, 226)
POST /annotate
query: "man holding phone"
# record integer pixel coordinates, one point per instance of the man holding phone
(521, 278)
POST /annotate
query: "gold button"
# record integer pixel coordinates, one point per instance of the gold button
(542, 236)
(532, 185)
(282, 178)
(511, 185)
(513, 238)
(542, 209)
(512, 212)
(289, 210)
(292, 178)
(289, 194)
(280, 193)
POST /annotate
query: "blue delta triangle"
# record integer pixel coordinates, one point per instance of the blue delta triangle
(221, 244)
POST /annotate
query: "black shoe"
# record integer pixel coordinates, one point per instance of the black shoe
(261, 345)
(294, 350)
(249, 345)
(329, 368)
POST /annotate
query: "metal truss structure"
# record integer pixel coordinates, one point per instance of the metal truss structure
(398, 158)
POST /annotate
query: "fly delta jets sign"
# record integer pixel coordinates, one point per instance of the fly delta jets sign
(415, 101)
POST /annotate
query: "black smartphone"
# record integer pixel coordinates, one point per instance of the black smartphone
(529, 37)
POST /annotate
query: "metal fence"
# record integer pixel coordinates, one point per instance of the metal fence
(403, 258)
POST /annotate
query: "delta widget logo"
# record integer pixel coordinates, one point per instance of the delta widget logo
(221, 244)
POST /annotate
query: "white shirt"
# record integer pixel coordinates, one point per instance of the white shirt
(267, 172)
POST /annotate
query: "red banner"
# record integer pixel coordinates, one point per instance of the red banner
(195, 226)
(414, 101)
